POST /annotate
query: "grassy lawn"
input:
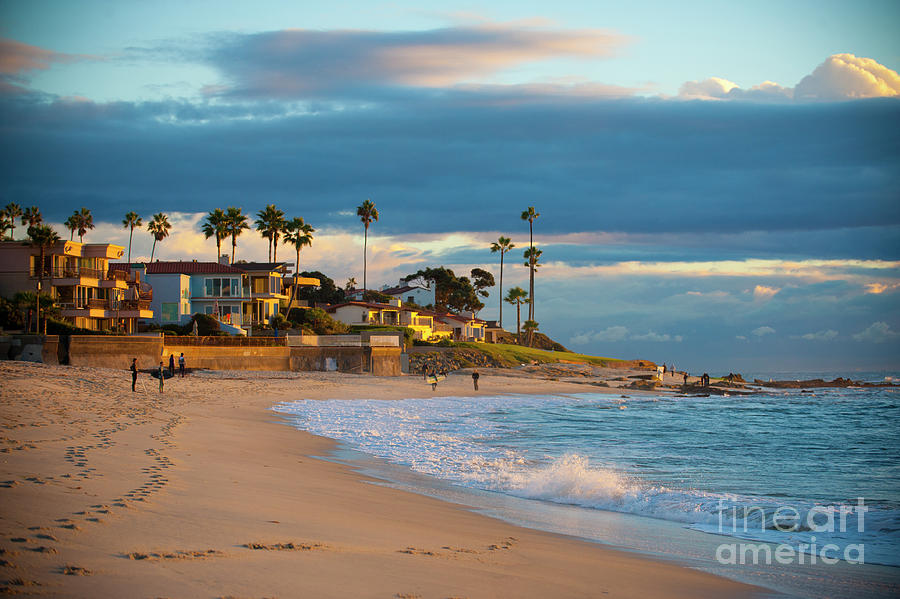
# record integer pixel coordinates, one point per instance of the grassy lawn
(513, 355)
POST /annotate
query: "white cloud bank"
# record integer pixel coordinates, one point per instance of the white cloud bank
(762, 331)
(826, 335)
(840, 77)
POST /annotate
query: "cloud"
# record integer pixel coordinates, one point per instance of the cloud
(17, 58)
(762, 331)
(840, 77)
(763, 292)
(879, 288)
(620, 333)
(296, 63)
(845, 76)
(826, 335)
(878, 332)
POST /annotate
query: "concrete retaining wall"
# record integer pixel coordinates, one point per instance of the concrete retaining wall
(230, 358)
(112, 351)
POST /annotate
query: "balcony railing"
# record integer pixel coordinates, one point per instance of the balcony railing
(68, 273)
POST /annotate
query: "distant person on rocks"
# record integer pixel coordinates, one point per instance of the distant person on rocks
(133, 373)
(685, 378)
(475, 377)
(162, 377)
(665, 369)
(181, 364)
(704, 380)
(172, 364)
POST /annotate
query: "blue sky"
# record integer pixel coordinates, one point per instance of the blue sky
(717, 182)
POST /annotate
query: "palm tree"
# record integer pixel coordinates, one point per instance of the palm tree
(72, 225)
(42, 237)
(530, 326)
(13, 211)
(159, 228)
(517, 296)
(502, 245)
(31, 217)
(532, 259)
(85, 221)
(530, 215)
(235, 224)
(366, 213)
(298, 234)
(270, 223)
(6, 224)
(131, 220)
(216, 225)
(351, 284)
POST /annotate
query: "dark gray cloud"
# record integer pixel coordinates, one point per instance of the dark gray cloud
(457, 161)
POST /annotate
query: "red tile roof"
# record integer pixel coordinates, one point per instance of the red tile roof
(190, 268)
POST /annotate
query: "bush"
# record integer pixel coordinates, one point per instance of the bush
(317, 320)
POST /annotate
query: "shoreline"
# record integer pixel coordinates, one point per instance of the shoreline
(200, 492)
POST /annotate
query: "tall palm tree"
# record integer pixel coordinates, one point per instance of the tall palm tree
(530, 215)
(270, 223)
(31, 217)
(131, 220)
(517, 296)
(235, 224)
(72, 225)
(216, 225)
(533, 260)
(42, 237)
(85, 221)
(13, 211)
(159, 228)
(300, 235)
(366, 213)
(502, 245)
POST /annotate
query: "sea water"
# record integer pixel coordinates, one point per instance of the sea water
(678, 477)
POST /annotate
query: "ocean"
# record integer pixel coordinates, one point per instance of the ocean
(794, 490)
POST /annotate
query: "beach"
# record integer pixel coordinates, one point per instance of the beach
(203, 491)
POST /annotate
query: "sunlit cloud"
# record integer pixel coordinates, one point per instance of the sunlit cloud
(824, 335)
(17, 58)
(879, 288)
(763, 292)
(619, 333)
(840, 77)
(762, 331)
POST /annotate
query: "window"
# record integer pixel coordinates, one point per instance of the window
(169, 311)
(222, 288)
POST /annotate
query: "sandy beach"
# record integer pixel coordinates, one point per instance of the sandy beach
(202, 491)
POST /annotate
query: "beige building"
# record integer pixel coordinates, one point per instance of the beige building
(78, 278)
(425, 324)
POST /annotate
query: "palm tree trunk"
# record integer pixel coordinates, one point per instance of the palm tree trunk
(129, 246)
(218, 249)
(365, 245)
(270, 249)
(233, 247)
(501, 288)
(153, 250)
(531, 271)
(275, 250)
(519, 323)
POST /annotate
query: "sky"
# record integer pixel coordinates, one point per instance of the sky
(717, 182)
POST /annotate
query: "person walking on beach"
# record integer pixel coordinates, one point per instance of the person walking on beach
(133, 373)
(162, 376)
(475, 376)
(171, 364)
(181, 364)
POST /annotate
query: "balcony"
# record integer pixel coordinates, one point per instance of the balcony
(64, 277)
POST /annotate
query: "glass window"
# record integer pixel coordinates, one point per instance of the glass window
(209, 287)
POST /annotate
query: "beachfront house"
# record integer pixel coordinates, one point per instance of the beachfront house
(465, 327)
(86, 291)
(411, 294)
(241, 295)
(425, 324)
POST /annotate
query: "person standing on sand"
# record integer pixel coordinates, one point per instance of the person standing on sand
(172, 364)
(133, 373)
(685, 378)
(162, 377)
(475, 376)
(181, 364)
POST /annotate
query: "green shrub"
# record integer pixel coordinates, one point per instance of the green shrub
(317, 320)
